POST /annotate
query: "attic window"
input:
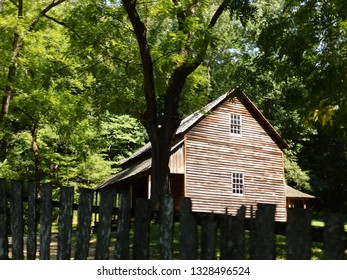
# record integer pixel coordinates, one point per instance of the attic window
(235, 124)
(238, 183)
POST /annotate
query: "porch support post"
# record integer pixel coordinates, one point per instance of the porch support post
(149, 186)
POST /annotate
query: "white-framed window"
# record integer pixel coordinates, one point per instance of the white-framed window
(238, 186)
(235, 124)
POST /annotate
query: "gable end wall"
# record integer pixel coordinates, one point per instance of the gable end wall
(213, 154)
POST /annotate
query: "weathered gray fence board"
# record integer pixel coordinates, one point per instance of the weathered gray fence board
(264, 233)
(334, 237)
(3, 221)
(123, 227)
(45, 221)
(104, 225)
(32, 223)
(84, 218)
(208, 237)
(143, 210)
(232, 236)
(166, 228)
(65, 223)
(298, 234)
(188, 231)
(16, 215)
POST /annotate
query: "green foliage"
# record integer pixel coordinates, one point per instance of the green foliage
(56, 92)
(79, 79)
(120, 136)
(295, 176)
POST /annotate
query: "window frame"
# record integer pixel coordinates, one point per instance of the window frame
(237, 183)
(235, 124)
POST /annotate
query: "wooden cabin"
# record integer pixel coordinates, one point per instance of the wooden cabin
(223, 156)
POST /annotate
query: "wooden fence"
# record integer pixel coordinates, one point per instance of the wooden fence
(199, 236)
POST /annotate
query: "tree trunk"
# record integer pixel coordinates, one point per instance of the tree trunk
(160, 179)
(6, 99)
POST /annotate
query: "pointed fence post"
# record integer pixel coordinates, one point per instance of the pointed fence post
(264, 233)
(3, 221)
(123, 227)
(166, 228)
(32, 222)
(188, 231)
(232, 236)
(298, 232)
(208, 237)
(65, 223)
(84, 218)
(45, 221)
(16, 213)
(143, 210)
(104, 225)
(334, 237)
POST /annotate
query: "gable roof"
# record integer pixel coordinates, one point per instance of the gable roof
(190, 121)
(140, 161)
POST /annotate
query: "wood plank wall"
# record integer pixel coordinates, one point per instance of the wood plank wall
(213, 154)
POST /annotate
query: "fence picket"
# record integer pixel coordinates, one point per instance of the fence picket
(84, 218)
(123, 227)
(104, 225)
(3, 221)
(264, 236)
(32, 223)
(334, 237)
(208, 237)
(46, 209)
(16, 215)
(232, 236)
(298, 234)
(188, 231)
(143, 210)
(166, 228)
(65, 223)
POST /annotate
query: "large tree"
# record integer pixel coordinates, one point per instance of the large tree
(191, 25)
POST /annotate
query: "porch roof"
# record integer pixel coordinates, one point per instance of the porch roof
(135, 169)
(293, 193)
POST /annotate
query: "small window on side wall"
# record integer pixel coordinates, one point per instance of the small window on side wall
(235, 124)
(237, 183)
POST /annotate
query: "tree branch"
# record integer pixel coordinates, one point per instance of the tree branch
(43, 13)
(146, 59)
(62, 24)
(222, 7)
(181, 73)
(14, 3)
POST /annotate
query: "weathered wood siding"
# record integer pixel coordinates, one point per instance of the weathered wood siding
(176, 163)
(213, 154)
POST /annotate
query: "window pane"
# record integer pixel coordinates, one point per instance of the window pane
(237, 187)
(235, 124)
